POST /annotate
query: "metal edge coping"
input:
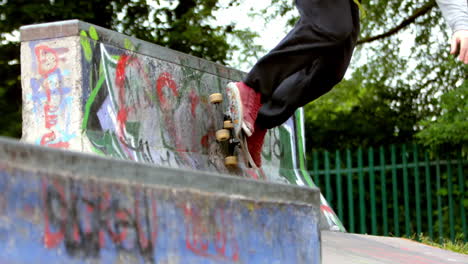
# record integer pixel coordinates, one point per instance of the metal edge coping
(85, 167)
(68, 28)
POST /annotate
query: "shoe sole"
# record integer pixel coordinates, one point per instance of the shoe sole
(235, 111)
(233, 95)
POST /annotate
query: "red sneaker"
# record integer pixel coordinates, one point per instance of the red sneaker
(255, 144)
(251, 103)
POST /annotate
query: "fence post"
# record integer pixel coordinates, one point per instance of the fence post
(384, 191)
(450, 199)
(362, 203)
(327, 178)
(339, 189)
(461, 188)
(316, 168)
(372, 190)
(349, 166)
(439, 199)
(406, 190)
(428, 195)
(417, 190)
(396, 219)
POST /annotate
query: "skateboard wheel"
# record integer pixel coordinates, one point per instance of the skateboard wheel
(230, 161)
(216, 98)
(228, 124)
(223, 135)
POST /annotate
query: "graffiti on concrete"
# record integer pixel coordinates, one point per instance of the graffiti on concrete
(50, 95)
(136, 107)
(84, 220)
(149, 110)
(57, 219)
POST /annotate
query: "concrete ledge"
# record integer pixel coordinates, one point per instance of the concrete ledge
(70, 28)
(94, 90)
(66, 207)
(84, 166)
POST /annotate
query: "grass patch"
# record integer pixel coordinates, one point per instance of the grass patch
(458, 246)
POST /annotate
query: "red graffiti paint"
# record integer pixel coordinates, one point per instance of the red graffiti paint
(47, 60)
(206, 138)
(125, 109)
(197, 236)
(194, 101)
(51, 239)
(122, 114)
(165, 80)
(326, 208)
(121, 216)
(143, 239)
(253, 174)
(80, 220)
(49, 137)
(50, 116)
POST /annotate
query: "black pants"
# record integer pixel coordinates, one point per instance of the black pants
(308, 62)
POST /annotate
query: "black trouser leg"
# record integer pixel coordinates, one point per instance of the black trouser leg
(308, 62)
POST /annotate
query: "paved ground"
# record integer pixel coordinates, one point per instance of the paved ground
(346, 248)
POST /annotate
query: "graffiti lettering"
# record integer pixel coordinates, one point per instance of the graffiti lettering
(84, 221)
(47, 67)
(197, 237)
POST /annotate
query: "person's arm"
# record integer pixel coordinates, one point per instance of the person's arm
(455, 13)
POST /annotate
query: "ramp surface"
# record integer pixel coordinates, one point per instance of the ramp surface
(89, 89)
(64, 207)
(346, 248)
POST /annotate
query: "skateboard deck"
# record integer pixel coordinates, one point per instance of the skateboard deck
(231, 131)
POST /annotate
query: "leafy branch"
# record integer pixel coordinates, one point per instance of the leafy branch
(408, 21)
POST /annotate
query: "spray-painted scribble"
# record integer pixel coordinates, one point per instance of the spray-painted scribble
(50, 96)
(51, 218)
(84, 220)
(98, 92)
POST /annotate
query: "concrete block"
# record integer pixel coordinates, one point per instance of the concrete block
(64, 207)
(93, 90)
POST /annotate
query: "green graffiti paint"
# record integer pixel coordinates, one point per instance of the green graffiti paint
(287, 159)
(269, 145)
(90, 101)
(84, 41)
(300, 146)
(129, 45)
(93, 33)
(106, 143)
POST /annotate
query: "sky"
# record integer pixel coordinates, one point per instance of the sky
(270, 34)
(241, 16)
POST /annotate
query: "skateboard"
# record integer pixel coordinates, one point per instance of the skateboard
(231, 132)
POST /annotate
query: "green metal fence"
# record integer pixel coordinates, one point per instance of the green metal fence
(397, 190)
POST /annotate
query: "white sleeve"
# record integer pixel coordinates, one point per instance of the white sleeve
(455, 13)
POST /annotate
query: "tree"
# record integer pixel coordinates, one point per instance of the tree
(183, 25)
(400, 68)
(451, 127)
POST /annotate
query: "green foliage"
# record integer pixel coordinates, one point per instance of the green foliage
(451, 127)
(183, 25)
(394, 83)
(459, 245)
(392, 92)
(10, 91)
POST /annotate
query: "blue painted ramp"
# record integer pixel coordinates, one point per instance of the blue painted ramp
(65, 207)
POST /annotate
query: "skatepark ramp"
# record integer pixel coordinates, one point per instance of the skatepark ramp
(93, 90)
(61, 206)
(119, 164)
